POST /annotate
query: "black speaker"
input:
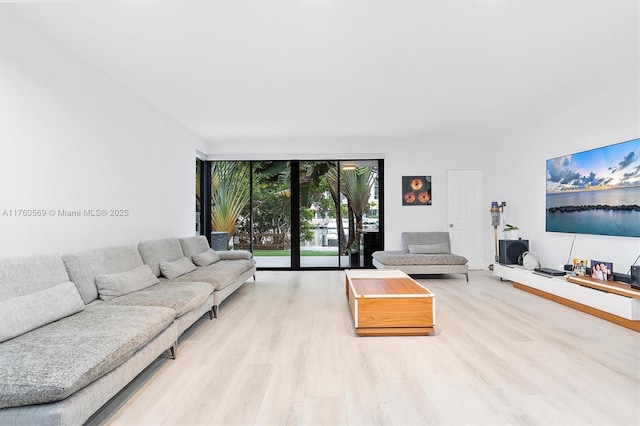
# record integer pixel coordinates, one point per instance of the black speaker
(635, 277)
(511, 251)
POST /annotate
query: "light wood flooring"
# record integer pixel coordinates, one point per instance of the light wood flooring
(283, 351)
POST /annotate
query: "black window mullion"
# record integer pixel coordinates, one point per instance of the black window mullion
(295, 214)
(205, 202)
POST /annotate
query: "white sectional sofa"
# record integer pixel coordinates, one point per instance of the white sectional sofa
(423, 253)
(77, 328)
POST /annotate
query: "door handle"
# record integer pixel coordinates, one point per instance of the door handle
(451, 225)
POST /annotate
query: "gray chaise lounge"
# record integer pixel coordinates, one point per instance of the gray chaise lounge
(423, 253)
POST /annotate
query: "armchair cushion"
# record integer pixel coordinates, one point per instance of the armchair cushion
(435, 248)
(421, 238)
(398, 258)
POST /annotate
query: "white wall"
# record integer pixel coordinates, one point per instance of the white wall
(71, 138)
(514, 171)
(402, 157)
(606, 119)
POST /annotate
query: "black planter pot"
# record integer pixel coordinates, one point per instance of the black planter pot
(220, 241)
(354, 258)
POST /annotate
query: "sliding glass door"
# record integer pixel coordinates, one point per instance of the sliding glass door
(268, 232)
(357, 183)
(319, 239)
(296, 214)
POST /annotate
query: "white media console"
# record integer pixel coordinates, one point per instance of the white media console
(609, 302)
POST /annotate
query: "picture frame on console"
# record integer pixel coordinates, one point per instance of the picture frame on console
(601, 270)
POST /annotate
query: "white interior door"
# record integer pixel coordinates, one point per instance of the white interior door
(465, 214)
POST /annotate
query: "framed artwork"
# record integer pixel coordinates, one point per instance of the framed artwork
(416, 190)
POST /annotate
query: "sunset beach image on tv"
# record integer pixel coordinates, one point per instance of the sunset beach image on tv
(595, 191)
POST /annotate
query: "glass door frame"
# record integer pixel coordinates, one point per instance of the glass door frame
(295, 209)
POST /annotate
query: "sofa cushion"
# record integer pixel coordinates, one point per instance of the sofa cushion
(194, 245)
(398, 258)
(422, 238)
(205, 258)
(177, 267)
(163, 250)
(83, 267)
(121, 283)
(234, 254)
(181, 297)
(29, 274)
(54, 361)
(220, 274)
(436, 248)
(25, 313)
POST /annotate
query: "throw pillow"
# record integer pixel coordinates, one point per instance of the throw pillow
(205, 258)
(177, 267)
(119, 284)
(436, 248)
(25, 313)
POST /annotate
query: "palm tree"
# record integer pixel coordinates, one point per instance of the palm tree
(332, 180)
(356, 185)
(311, 173)
(230, 193)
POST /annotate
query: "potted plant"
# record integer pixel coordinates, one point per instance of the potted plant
(511, 232)
(230, 193)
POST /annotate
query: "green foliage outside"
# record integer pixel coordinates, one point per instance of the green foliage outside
(230, 193)
(271, 208)
(355, 184)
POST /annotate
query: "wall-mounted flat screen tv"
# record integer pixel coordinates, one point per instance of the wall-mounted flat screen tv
(595, 191)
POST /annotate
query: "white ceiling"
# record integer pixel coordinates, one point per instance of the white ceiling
(452, 70)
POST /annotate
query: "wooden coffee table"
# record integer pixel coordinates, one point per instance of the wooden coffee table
(389, 303)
